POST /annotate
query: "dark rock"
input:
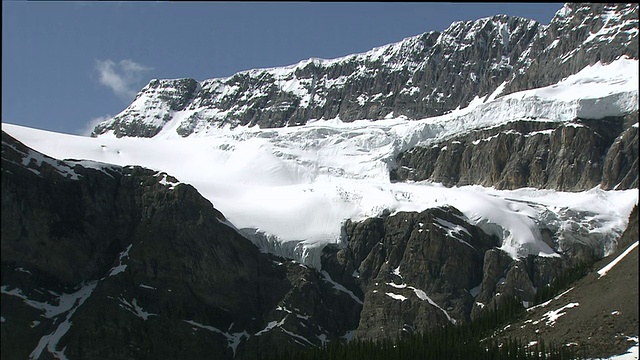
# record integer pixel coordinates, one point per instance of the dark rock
(505, 278)
(630, 234)
(407, 261)
(620, 168)
(144, 269)
(547, 155)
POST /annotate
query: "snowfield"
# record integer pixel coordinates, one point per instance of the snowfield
(292, 188)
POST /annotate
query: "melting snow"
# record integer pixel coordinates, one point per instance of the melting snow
(420, 294)
(121, 267)
(632, 352)
(165, 182)
(270, 326)
(233, 339)
(552, 316)
(549, 301)
(65, 302)
(340, 287)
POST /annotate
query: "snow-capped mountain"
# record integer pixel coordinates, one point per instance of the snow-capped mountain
(426, 180)
(290, 189)
(421, 76)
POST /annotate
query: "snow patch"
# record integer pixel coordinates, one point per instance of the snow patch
(396, 296)
(551, 317)
(121, 267)
(340, 287)
(50, 341)
(233, 339)
(135, 309)
(602, 272)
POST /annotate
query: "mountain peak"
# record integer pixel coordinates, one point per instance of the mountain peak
(421, 76)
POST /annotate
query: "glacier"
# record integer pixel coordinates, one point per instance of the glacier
(290, 189)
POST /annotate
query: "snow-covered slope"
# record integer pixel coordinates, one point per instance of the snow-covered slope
(297, 185)
(421, 76)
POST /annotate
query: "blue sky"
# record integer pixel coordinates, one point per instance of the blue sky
(66, 65)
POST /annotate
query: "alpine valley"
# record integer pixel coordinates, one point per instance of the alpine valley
(374, 197)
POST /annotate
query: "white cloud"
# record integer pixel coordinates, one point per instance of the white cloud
(89, 126)
(123, 78)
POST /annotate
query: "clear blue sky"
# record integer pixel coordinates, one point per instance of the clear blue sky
(66, 65)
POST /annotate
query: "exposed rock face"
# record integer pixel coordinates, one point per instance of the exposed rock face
(153, 107)
(620, 169)
(630, 234)
(415, 270)
(564, 156)
(421, 76)
(105, 261)
(422, 270)
(506, 278)
(580, 34)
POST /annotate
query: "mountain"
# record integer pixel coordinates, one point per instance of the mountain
(424, 183)
(604, 303)
(102, 261)
(422, 76)
(105, 261)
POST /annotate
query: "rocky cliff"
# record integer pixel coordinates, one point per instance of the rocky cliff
(421, 76)
(422, 270)
(579, 34)
(101, 261)
(572, 156)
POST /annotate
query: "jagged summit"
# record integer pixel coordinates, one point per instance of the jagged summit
(420, 76)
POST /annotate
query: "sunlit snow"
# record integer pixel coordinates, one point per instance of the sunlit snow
(297, 185)
(602, 272)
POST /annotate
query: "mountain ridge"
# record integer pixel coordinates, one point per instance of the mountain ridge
(420, 76)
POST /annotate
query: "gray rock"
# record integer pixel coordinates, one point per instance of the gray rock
(547, 155)
(421, 76)
(415, 270)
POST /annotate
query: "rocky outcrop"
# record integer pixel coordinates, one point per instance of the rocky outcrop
(548, 155)
(630, 234)
(606, 307)
(152, 108)
(102, 261)
(505, 278)
(414, 269)
(422, 270)
(421, 76)
(620, 168)
(412, 78)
